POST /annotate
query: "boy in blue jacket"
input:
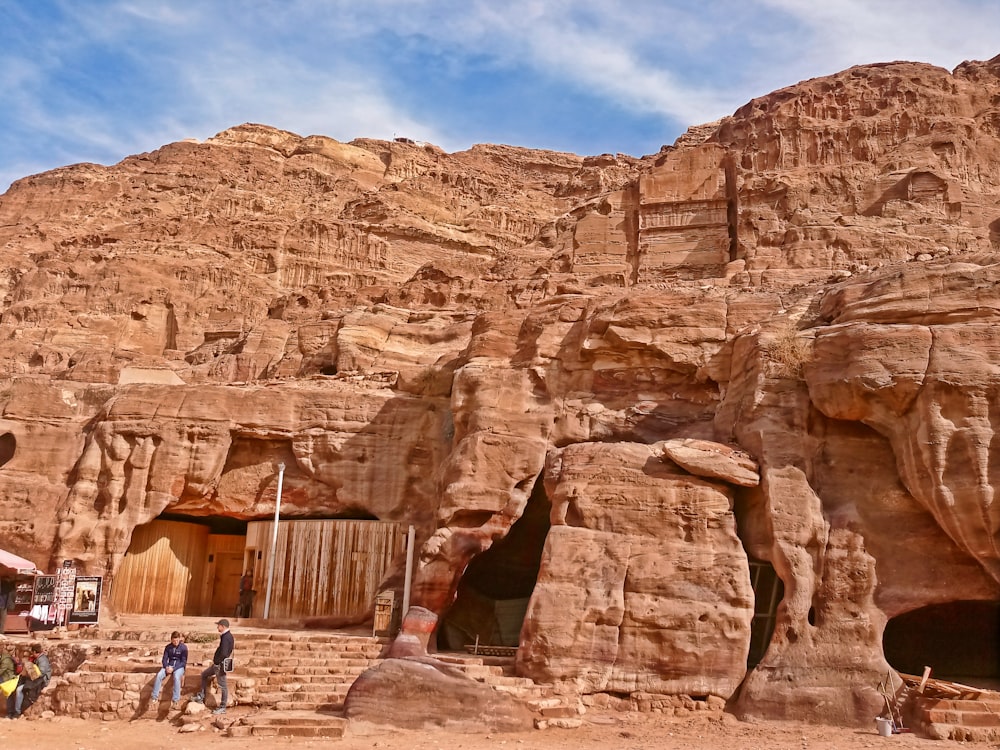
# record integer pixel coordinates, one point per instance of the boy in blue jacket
(175, 657)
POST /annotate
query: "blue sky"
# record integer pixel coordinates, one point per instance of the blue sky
(97, 80)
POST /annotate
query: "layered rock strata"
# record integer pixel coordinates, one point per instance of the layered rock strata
(770, 344)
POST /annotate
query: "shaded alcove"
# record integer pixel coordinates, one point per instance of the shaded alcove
(8, 444)
(958, 640)
(768, 591)
(753, 528)
(215, 524)
(494, 591)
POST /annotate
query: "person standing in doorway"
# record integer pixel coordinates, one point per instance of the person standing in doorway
(223, 652)
(245, 606)
(174, 661)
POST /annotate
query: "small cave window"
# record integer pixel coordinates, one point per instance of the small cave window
(768, 591)
(8, 444)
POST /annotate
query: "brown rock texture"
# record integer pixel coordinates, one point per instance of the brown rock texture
(423, 692)
(605, 389)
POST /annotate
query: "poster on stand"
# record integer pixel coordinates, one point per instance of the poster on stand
(65, 585)
(45, 590)
(86, 601)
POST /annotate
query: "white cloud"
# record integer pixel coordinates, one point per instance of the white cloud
(842, 33)
(99, 80)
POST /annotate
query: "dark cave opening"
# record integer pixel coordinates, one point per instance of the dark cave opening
(494, 591)
(215, 524)
(957, 640)
(768, 590)
(8, 444)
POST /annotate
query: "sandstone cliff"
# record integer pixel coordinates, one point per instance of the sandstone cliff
(770, 345)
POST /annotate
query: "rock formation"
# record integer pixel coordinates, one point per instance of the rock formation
(605, 390)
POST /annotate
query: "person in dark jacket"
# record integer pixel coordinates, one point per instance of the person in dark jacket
(174, 661)
(223, 652)
(31, 687)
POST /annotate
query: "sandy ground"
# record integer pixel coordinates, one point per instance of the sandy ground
(602, 730)
(632, 731)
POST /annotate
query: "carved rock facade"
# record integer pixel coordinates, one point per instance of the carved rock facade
(606, 391)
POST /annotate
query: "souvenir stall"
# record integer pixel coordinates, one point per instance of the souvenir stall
(17, 583)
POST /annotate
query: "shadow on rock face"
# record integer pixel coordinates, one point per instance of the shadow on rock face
(418, 692)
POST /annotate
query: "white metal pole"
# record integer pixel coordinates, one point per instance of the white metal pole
(274, 543)
(409, 570)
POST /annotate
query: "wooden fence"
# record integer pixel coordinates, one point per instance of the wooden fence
(323, 568)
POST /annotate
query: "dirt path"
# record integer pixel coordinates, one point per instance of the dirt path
(602, 732)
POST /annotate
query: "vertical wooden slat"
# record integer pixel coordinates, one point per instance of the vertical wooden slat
(162, 570)
(325, 568)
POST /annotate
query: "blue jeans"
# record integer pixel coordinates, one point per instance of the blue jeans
(178, 675)
(16, 701)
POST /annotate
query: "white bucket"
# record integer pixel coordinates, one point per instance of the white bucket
(884, 727)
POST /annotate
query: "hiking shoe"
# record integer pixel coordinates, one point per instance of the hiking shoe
(199, 698)
(174, 705)
(220, 710)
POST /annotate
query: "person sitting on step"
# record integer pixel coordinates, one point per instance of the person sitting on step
(35, 676)
(174, 661)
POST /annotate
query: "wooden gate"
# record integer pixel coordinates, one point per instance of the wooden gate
(322, 568)
(162, 571)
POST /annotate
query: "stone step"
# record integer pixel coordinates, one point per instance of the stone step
(307, 687)
(330, 695)
(293, 723)
(210, 636)
(973, 718)
(990, 704)
(316, 663)
(278, 680)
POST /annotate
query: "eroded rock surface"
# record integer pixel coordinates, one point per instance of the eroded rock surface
(770, 344)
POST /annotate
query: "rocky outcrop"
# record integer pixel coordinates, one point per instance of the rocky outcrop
(650, 559)
(608, 392)
(413, 685)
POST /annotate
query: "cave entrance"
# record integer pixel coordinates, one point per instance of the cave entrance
(768, 591)
(958, 640)
(493, 594)
(192, 565)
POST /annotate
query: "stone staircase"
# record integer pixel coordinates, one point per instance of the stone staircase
(969, 719)
(282, 671)
(945, 710)
(554, 710)
(286, 683)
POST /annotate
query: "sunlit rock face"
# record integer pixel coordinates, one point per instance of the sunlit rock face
(665, 602)
(608, 388)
